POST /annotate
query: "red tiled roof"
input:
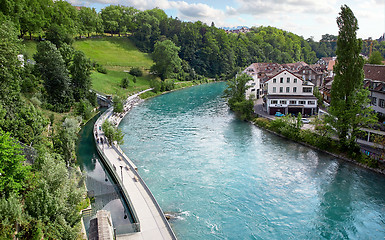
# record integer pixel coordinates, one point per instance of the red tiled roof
(374, 72)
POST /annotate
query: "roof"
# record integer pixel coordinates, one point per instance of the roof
(374, 72)
(331, 64)
(305, 97)
(284, 70)
(294, 66)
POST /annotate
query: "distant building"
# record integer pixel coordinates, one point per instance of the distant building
(262, 72)
(375, 82)
(238, 30)
(289, 93)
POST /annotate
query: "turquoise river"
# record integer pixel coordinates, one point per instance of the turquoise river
(227, 179)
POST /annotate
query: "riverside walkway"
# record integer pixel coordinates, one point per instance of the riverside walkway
(149, 220)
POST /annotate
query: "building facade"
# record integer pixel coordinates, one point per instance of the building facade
(262, 72)
(288, 93)
(375, 82)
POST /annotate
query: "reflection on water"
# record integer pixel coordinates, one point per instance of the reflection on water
(99, 184)
(227, 179)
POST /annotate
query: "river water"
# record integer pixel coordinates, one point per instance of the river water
(227, 179)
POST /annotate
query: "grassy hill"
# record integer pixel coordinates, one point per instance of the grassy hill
(116, 55)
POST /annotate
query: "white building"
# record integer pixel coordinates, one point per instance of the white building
(288, 93)
(255, 91)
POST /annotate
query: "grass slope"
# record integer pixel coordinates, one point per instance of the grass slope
(114, 53)
(117, 55)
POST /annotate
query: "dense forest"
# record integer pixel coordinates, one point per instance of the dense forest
(207, 49)
(43, 102)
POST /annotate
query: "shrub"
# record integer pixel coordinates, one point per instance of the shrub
(101, 69)
(156, 85)
(124, 83)
(167, 85)
(84, 109)
(262, 122)
(135, 71)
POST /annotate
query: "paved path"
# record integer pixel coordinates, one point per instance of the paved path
(153, 224)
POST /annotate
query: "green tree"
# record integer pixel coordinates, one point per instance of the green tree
(10, 66)
(67, 53)
(65, 140)
(37, 14)
(112, 133)
(59, 35)
(88, 20)
(111, 16)
(53, 200)
(80, 70)
(51, 66)
(13, 172)
(376, 58)
(236, 94)
(10, 214)
(166, 59)
(348, 97)
(118, 104)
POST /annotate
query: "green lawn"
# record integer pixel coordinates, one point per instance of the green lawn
(114, 53)
(110, 83)
(117, 55)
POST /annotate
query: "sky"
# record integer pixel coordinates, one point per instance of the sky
(307, 18)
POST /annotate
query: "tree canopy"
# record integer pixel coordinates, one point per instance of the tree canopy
(166, 59)
(348, 97)
(376, 58)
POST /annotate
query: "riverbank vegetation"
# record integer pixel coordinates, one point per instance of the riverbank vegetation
(41, 187)
(236, 96)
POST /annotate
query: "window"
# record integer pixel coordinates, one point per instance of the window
(283, 102)
(374, 101)
(310, 102)
(253, 90)
(302, 102)
(294, 89)
(295, 80)
(382, 103)
(281, 80)
(288, 80)
(287, 89)
(274, 89)
(280, 89)
(274, 101)
(306, 89)
(274, 80)
(293, 102)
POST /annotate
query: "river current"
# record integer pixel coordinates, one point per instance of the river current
(227, 179)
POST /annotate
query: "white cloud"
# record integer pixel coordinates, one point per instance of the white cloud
(263, 8)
